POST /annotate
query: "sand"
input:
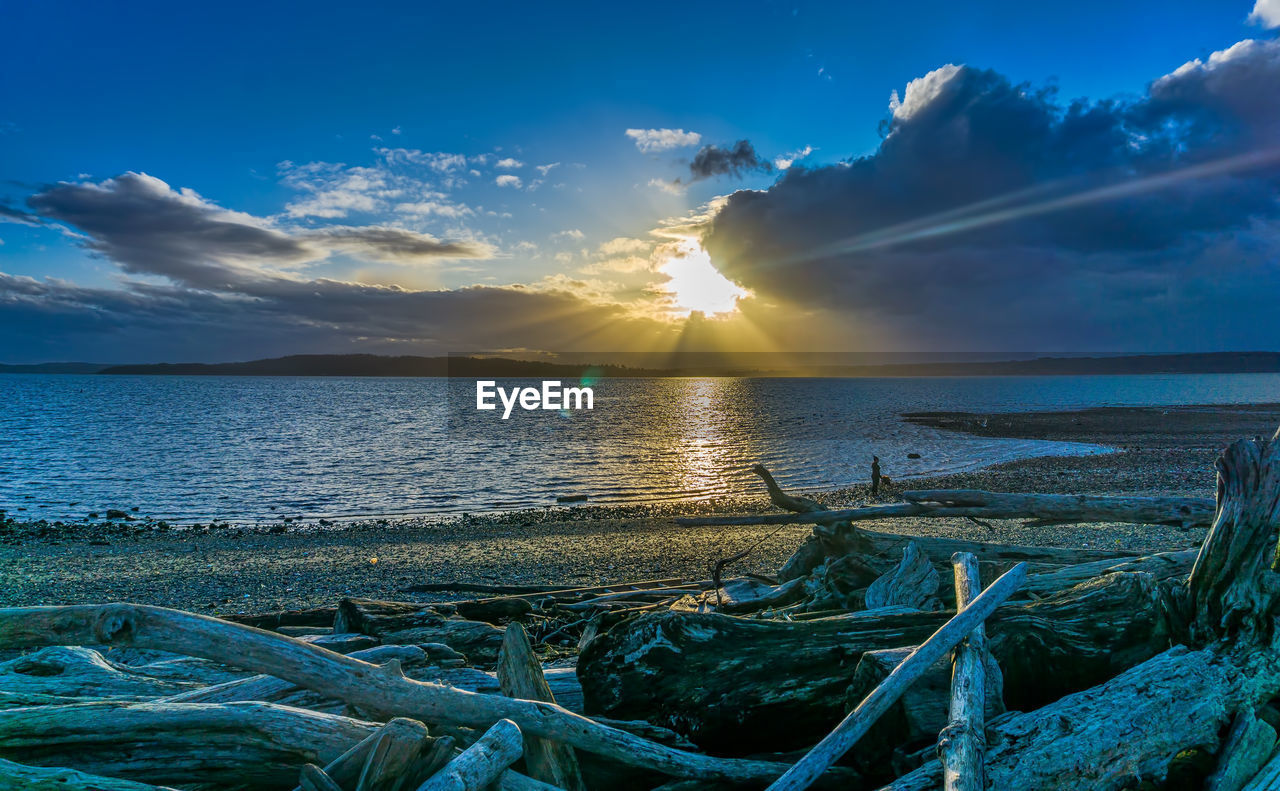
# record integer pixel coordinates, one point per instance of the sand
(1160, 451)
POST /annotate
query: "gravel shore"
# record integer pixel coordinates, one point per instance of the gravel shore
(1160, 451)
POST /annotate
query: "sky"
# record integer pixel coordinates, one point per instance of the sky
(238, 181)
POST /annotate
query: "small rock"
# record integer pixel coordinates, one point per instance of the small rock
(913, 455)
(571, 498)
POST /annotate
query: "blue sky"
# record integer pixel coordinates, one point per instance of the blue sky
(498, 130)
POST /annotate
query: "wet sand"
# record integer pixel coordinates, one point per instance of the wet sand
(1160, 451)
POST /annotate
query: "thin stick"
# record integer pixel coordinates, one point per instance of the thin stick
(962, 745)
(854, 727)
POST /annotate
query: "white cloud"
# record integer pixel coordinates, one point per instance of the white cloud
(787, 160)
(334, 190)
(439, 161)
(651, 140)
(428, 208)
(509, 163)
(395, 131)
(672, 187)
(1266, 13)
(545, 169)
(622, 245)
(508, 181)
(572, 233)
(921, 91)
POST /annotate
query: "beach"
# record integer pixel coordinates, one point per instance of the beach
(228, 569)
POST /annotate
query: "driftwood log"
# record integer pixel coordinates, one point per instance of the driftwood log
(40, 778)
(962, 745)
(482, 763)
(234, 745)
(854, 726)
(1132, 727)
(520, 676)
(716, 678)
(368, 686)
(1042, 509)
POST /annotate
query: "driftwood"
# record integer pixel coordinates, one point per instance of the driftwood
(239, 744)
(1268, 779)
(356, 682)
(917, 719)
(963, 744)
(1042, 509)
(1248, 746)
(313, 778)
(912, 583)
(40, 778)
(1131, 727)
(481, 763)
(520, 675)
(715, 678)
(853, 727)
(409, 623)
(65, 674)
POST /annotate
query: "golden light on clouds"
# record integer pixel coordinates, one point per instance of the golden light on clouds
(696, 285)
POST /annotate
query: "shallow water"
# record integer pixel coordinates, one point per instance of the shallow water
(254, 448)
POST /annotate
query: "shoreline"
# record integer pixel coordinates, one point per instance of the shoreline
(227, 570)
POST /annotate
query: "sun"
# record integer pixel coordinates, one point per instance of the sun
(696, 285)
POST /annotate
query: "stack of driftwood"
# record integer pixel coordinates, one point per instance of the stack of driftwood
(873, 660)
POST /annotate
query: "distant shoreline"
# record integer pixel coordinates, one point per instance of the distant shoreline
(367, 365)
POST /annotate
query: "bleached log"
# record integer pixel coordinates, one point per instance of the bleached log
(40, 778)
(520, 676)
(313, 778)
(271, 689)
(1044, 509)
(359, 683)
(1249, 744)
(72, 672)
(809, 768)
(482, 763)
(962, 745)
(394, 753)
(230, 744)
(912, 583)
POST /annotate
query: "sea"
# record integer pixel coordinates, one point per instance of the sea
(189, 449)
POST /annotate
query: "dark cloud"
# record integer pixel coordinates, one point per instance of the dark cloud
(397, 245)
(18, 216)
(993, 213)
(146, 227)
(711, 161)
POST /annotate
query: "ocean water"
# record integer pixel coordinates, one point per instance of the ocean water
(260, 448)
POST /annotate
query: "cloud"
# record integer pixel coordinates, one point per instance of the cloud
(994, 215)
(711, 161)
(509, 181)
(436, 208)
(1266, 13)
(509, 163)
(334, 190)
(622, 245)
(572, 233)
(438, 161)
(545, 169)
(787, 160)
(651, 141)
(149, 228)
(17, 216)
(396, 245)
